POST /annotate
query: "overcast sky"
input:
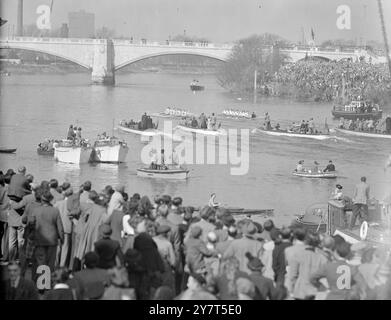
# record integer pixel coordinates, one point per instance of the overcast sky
(216, 20)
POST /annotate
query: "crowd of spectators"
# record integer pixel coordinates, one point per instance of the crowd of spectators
(109, 245)
(323, 80)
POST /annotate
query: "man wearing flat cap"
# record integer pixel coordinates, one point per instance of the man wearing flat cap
(49, 232)
(108, 250)
(167, 253)
(19, 185)
(238, 247)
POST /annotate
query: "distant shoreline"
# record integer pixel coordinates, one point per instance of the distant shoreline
(70, 68)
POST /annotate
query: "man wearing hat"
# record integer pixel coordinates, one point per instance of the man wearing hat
(19, 185)
(108, 250)
(239, 247)
(48, 231)
(18, 211)
(57, 196)
(206, 227)
(65, 249)
(86, 187)
(265, 286)
(330, 167)
(164, 246)
(167, 253)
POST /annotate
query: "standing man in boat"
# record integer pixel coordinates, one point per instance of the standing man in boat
(330, 167)
(360, 202)
(267, 121)
(71, 133)
(388, 124)
(311, 126)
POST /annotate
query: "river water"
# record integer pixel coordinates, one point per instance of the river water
(34, 107)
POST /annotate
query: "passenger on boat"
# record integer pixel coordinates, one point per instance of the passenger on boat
(267, 121)
(341, 123)
(299, 167)
(253, 115)
(315, 168)
(330, 167)
(277, 127)
(194, 123)
(203, 124)
(71, 133)
(337, 194)
(388, 124)
(214, 120)
(311, 126)
(303, 127)
(78, 135)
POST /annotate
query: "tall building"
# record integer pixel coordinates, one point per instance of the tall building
(81, 24)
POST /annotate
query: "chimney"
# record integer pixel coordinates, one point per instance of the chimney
(19, 26)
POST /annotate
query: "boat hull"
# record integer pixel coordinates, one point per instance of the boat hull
(218, 132)
(148, 132)
(196, 88)
(4, 150)
(294, 135)
(325, 175)
(76, 155)
(45, 152)
(364, 134)
(315, 227)
(354, 115)
(174, 174)
(110, 154)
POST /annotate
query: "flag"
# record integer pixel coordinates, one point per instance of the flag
(313, 34)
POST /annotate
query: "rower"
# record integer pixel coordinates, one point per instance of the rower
(253, 115)
(315, 168)
(299, 167)
(330, 167)
(277, 127)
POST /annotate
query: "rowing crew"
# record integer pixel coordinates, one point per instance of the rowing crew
(239, 114)
(177, 112)
(315, 169)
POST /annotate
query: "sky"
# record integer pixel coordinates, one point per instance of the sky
(217, 20)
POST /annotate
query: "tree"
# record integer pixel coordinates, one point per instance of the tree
(104, 33)
(258, 52)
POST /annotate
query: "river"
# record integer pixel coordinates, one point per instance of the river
(34, 107)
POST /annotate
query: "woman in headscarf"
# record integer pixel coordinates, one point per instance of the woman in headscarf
(95, 216)
(151, 261)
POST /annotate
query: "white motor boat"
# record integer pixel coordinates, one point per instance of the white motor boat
(110, 150)
(170, 173)
(67, 151)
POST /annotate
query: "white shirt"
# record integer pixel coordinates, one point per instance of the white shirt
(115, 203)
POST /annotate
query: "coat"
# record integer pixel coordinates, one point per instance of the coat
(48, 225)
(238, 248)
(61, 205)
(19, 186)
(90, 230)
(196, 250)
(26, 290)
(303, 265)
(332, 272)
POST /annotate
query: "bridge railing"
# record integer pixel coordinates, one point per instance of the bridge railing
(186, 44)
(49, 39)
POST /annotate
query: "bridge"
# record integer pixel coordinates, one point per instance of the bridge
(104, 56)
